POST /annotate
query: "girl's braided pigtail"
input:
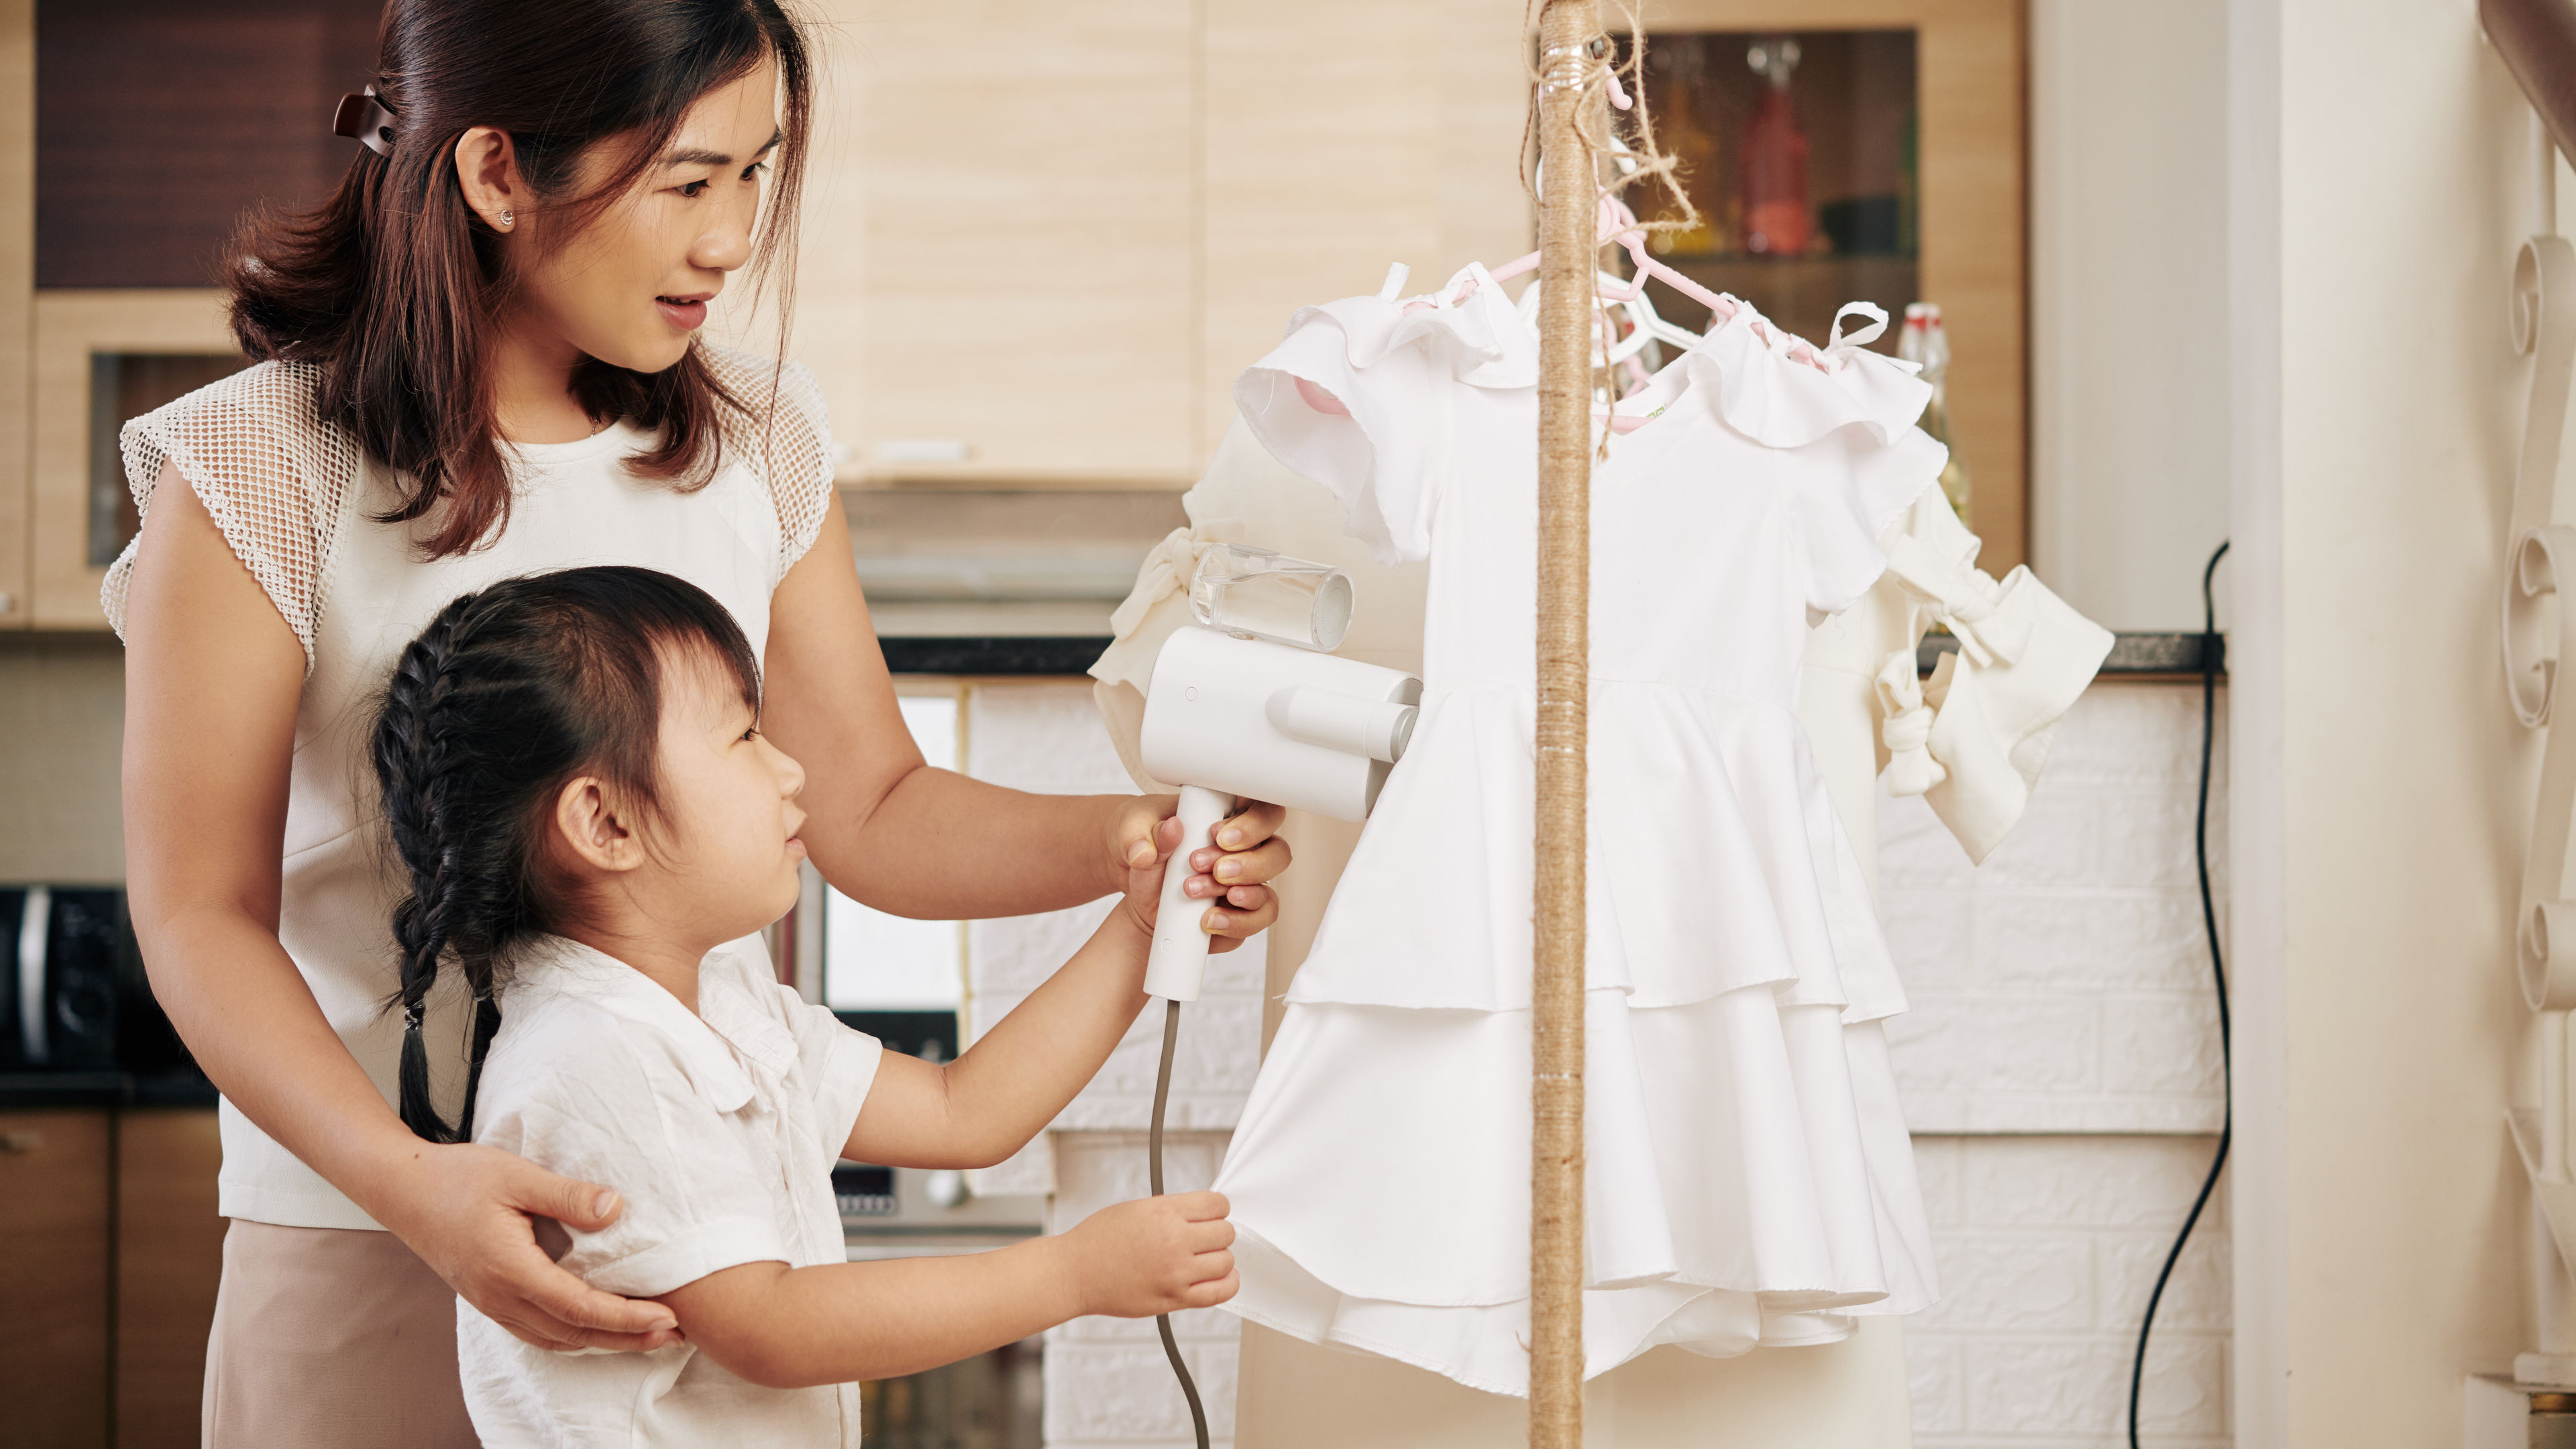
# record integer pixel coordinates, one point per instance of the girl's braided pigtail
(410, 759)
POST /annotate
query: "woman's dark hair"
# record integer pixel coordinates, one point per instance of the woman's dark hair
(507, 696)
(393, 286)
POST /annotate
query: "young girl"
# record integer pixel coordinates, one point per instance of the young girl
(479, 359)
(593, 824)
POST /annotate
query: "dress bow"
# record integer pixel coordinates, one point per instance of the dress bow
(1965, 601)
(1911, 770)
(1167, 570)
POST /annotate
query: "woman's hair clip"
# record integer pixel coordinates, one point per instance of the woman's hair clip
(367, 119)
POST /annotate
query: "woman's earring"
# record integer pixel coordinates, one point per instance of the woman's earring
(509, 219)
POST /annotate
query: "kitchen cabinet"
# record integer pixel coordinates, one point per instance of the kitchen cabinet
(17, 297)
(1000, 279)
(1040, 244)
(55, 1167)
(169, 1255)
(1324, 160)
(110, 1248)
(92, 349)
(1965, 230)
(133, 136)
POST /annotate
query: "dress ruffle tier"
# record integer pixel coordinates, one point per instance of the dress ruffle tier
(1748, 1181)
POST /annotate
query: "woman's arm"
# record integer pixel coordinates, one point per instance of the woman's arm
(1005, 1089)
(213, 675)
(786, 1328)
(888, 830)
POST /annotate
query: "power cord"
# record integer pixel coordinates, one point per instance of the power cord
(1154, 1180)
(2210, 656)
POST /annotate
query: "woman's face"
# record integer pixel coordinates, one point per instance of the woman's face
(632, 286)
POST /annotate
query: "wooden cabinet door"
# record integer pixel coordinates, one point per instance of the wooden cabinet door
(998, 275)
(71, 328)
(54, 1278)
(17, 293)
(1325, 160)
(169, 1255)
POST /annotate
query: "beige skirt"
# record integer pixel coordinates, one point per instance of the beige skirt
(331, 1338)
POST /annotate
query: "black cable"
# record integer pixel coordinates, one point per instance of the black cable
(1154, 1180)
(2210, 656)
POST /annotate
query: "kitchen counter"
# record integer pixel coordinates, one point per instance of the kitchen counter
(1044, 654)
(104, 1089)
(2132, 655)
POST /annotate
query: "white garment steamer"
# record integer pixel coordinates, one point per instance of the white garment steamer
(1253, 704)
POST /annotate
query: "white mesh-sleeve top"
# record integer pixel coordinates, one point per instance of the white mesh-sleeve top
(300, 504)
(1748, 1176)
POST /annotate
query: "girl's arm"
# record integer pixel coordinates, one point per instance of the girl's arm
(1005, 1089)
(888, 830)
(212, 676)
(786, 1328)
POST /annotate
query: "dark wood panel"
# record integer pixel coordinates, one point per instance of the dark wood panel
(169, 1255)
(54, 1277)
(160, 122)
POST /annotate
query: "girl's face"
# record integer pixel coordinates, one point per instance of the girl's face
(724, 854)
(632, 286)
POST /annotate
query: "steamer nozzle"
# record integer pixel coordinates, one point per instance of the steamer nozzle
(1252, 703)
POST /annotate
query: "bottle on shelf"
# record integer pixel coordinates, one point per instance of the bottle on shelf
(1777, 220)
(1923, 341)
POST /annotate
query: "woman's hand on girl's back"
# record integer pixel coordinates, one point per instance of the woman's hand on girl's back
(468, 1212)
(1232, 877)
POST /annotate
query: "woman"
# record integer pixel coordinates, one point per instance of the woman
(479, 361)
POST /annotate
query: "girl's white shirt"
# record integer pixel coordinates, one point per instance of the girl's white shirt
(719, 1128)
(300, 504)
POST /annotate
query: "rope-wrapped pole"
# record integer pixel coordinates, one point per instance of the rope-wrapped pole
(1571, 102)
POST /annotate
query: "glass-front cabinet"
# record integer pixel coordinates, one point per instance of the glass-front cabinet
(1860, 151)
(1797, 151)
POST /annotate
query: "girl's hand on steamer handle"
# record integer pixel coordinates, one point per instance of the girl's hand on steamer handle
(1232, 876)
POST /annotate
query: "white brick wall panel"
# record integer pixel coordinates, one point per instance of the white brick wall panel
(2051, 1385)
(1045, 737)
(1212, 1069)
(1916, 851)
(2013, 1283)
(1125, 1393)
(2058, 844)
(2058, 1113)
(2133, 734)
(1031, 1170)
(1929, 932)
(2197, 1299)
(2084, 1182)
(1940, 1168)
(2145, 840)
(2164, 1045)
(1196, 1325)
(1937, 1377)
(2095, 941)
(2186, 1386)
(1095, 1169)
(1014, 955)
(1997, 1044)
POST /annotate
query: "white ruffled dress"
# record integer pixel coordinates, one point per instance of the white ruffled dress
(1749, 1179)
